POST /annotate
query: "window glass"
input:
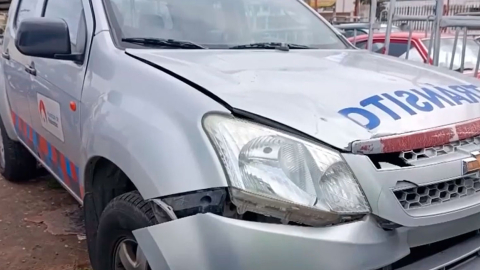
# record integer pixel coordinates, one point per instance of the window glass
(223, 23)
(361, 45)
(396, 49)
(351, 33)
(378, 47)
(72, 12)
(26, 9)
(413, 55)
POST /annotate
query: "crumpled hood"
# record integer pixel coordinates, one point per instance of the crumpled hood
(335, 96)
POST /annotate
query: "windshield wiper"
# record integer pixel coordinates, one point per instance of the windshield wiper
(164, 42)
(270, 45)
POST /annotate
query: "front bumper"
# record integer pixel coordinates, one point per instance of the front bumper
(211, 242)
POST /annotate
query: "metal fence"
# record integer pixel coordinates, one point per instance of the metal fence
(438, 21)
(428, 8)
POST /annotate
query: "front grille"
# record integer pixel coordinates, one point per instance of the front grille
(424, 196)
(429, 152)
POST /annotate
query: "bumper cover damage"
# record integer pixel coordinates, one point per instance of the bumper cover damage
(211, 242)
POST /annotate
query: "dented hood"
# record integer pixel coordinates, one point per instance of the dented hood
(335, 96)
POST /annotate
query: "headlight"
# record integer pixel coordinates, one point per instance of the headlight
(277, 174)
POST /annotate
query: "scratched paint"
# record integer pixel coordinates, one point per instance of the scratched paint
(418, 140)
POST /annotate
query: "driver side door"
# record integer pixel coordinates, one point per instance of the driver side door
(56, 93)
(18, 79)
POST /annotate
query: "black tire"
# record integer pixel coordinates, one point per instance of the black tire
(20, 164)
(124, 214)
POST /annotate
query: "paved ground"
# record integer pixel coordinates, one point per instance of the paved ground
(40, 227)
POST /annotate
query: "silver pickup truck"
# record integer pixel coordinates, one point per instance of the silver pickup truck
(240, 135)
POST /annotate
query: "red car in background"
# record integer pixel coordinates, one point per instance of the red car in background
(418, 50)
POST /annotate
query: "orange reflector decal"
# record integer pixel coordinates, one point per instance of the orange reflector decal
(472, 164)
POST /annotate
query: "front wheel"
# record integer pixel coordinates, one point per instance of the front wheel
(115, 241)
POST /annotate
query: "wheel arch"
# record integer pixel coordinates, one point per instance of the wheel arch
(94, 163)
(159, 158)
(132, 171)
(149, 125)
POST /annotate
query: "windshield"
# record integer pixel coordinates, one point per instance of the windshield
(446, 48)
(222, 23)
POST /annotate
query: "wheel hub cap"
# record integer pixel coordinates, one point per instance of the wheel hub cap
(129, 256)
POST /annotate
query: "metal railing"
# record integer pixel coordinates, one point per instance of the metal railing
(436, 25)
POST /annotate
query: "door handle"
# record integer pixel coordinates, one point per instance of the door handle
(31, 70)
(6, 55)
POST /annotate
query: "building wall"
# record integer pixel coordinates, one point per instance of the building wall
(345, 6)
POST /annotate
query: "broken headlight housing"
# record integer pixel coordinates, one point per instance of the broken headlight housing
(276, 174)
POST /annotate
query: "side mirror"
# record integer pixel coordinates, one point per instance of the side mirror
(45, 37)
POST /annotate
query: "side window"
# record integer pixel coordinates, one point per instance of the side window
(351, 33)
(396, 49)
(72, 12)
(413, 55)
(361, 45)
(378, 47)
(26, 9)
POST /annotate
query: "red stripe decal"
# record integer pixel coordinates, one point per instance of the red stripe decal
(31, 134)
(82, 191)
(418, 140)
(468, 130)
(24, 127)
(74, 172)
(20, 126)
(13, 117)
(64, 169)
(58, 159)
(54, 155)
(43, 146)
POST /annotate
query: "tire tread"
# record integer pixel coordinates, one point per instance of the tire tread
(135, 199)
(124, 214)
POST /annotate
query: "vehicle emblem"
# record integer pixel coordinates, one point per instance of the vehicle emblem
(471, 164)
